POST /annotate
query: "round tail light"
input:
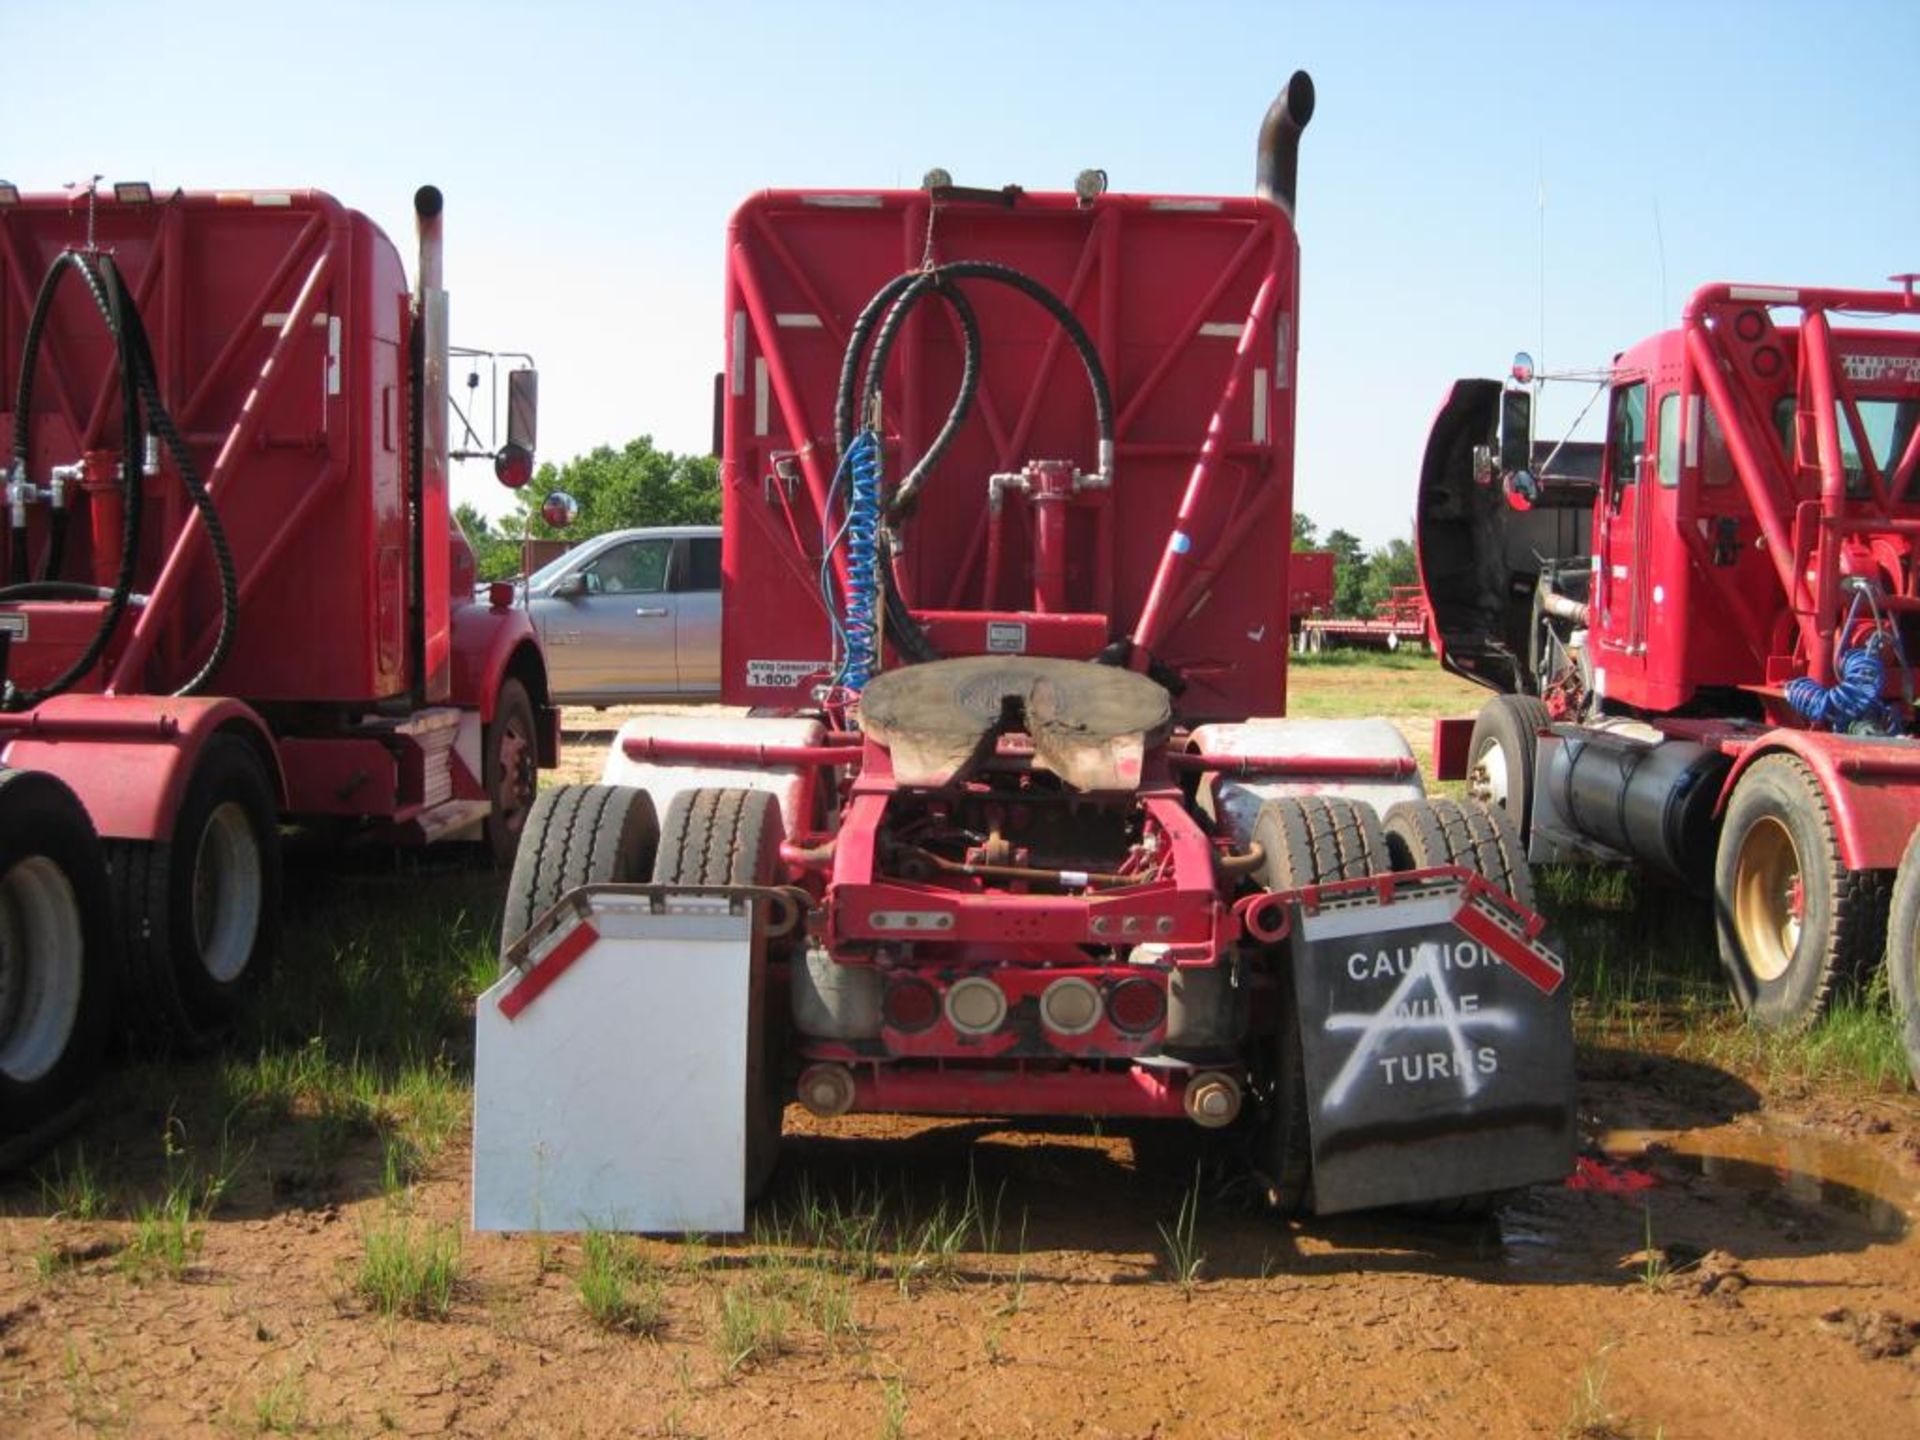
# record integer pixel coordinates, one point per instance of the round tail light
(1136, 1006)
(975, 1006)
(1070, 1006)
(910, 1005)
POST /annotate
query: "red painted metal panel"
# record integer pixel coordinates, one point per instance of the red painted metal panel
(277, 324)
(1181, 298)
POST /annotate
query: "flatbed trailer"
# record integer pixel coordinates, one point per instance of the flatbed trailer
(1401, 620)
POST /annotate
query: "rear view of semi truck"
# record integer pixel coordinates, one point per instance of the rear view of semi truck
(232, 596)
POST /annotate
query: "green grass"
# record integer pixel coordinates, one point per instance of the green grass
(71, 1188)
(749, 1326)
(1647, 976)
(409, 1269)
(1180, 1241)
(619, 1290)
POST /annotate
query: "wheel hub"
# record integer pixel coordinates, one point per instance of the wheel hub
(42, 961)
(516, 782)
(228, 876)
(1769, 898)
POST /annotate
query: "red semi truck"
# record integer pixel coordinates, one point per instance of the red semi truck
(999, 834)
(1705, 651)
(231, 596)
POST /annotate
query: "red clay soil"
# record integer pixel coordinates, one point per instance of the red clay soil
(1767, 1284)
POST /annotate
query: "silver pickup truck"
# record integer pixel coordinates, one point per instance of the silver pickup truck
(632, 615)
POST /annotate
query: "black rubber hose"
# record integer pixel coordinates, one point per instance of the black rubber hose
(906, 495)
(847, 396)
(145, 376)
(102, 279)
(18, 559)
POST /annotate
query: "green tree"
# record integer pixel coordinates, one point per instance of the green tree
(496, 553)
(1393, 564)
(637, 484)
(1306, 534)
(1349, 572)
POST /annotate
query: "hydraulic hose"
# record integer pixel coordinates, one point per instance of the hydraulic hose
(140, 394)
(102, 279)
(888, 310)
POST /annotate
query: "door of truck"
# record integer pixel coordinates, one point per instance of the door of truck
(1620, 583)
(696, 585)
(623, 621)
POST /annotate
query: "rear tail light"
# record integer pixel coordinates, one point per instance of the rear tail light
(1136, 1006)
(910, 1005)
(1070, 1006)
(976, 1006)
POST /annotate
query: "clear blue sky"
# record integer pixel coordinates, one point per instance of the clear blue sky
(590, 156)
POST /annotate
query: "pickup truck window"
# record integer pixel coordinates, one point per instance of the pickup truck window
(639, 565)
(702, 568)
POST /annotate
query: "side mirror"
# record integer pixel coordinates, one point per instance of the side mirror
(569, 587)
(513, 466)
(1516, 430)
(559, 509)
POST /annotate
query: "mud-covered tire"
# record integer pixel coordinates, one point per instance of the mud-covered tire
(1422, 834)
(1307, 841)
(510, 770)
(578, 835)
(199, 913)
(1903, 952)
(1793, 922)
(1502, 746)
(57, 960)
(732, 837)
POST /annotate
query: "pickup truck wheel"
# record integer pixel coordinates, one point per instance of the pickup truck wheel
(1793, 922)
(510, 761)
(1308, 841)
(1500, 755)
(732, 837)
(577, 835)
(1903, 952)
(56, 959)
(199, 913)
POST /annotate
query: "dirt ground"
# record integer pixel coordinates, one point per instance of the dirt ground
(1747, 1265)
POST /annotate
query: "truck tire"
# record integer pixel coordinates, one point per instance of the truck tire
(510, 767)
(56, 960)
(1903, 952)
(1500, 755)
(578, 835)
(199, 913)
(1426, 833)
(1307, 841)
(732, 837)
(1793, 922)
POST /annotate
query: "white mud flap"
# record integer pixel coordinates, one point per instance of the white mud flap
(1438, 1046)
(610, 1070)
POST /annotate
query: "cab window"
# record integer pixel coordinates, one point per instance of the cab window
(638, 565)
(1627, 434)
(700, 564)
(1667, 441)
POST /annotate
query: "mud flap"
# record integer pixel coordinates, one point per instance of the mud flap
(1437, 1036)
(611, 1066)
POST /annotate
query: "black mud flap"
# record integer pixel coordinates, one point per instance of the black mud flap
(1437, 1035)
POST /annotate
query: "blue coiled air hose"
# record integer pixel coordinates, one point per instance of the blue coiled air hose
(861, 624)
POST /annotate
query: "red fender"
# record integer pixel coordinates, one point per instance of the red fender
(129, 757)
(1873, 787)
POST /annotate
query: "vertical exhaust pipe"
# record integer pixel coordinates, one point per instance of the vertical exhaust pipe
(1277, 173)
(430, 631)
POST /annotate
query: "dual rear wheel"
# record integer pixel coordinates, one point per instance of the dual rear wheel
(607, 834)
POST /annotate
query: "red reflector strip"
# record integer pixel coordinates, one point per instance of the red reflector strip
(1511, 950)
(534, 983)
